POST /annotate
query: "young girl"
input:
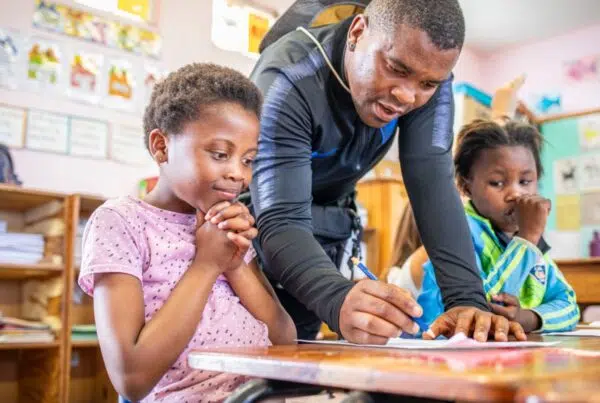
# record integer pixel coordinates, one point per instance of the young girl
(168, 273)
(497, 169)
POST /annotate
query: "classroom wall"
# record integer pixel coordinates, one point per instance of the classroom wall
(575, 198)
(185, 26)
(542, 61)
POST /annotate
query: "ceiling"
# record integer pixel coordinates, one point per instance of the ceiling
(495, 24)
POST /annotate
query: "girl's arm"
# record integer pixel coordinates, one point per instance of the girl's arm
(138, 353)
(257, 295)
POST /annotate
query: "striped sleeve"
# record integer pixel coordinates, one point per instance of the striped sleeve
(511, 268)
(559, 310)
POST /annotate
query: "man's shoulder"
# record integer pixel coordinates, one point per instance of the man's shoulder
(296, 55)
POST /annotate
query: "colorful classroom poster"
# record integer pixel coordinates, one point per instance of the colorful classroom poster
(88, 138)
(589, 132)
(590, 172)
(568, 217)
(85, 76)
(120, 84)
(12, 124)
(47, 131)
(44, 66)
(11, 56)
(566, 176)
(590, 208)
(81, 24)
(127, 145)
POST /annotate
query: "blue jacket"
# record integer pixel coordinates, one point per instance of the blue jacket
(515, 267)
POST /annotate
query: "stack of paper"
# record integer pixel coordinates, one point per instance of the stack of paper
(21, 248)
(14, 330)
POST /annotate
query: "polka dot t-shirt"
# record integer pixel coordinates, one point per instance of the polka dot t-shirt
(127, 235)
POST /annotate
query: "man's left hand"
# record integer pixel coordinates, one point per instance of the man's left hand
(474, 323)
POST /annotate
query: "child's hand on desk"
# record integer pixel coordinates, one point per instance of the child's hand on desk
(509, 306)
(224, 235)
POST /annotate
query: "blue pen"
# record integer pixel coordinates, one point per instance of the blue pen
(371, 276)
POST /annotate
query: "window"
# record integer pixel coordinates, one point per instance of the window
(135, 9)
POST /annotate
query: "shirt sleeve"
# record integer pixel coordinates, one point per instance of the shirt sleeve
(281, 191)
(108, 246)
(425, 147)
(559, 310)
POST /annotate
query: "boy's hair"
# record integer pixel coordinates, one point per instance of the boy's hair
(180, 98)
(482, 135)
(442, 20)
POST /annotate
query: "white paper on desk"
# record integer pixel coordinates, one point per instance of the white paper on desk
(457, 342)
(579, 332)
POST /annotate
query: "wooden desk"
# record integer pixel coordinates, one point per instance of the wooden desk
(584, 277)
(492, 375)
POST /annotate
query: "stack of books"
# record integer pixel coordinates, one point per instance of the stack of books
(14, 330)
(84, 333)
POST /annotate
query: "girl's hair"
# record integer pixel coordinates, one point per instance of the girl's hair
(407, 238)
(181, 97)
(482, 135)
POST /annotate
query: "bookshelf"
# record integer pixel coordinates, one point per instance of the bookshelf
(62, 370)
(32, 371)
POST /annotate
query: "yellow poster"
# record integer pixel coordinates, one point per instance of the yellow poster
(568, 212)
(257, 29)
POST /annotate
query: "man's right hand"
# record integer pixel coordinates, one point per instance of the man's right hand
(374, 312)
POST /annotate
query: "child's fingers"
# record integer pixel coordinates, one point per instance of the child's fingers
(216, 209)
(235, 224)
(249, 234)
(235, 210)
(239, 241)
(500, 310)
(507, 299)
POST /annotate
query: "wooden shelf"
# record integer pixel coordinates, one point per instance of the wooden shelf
(89, 203)
(10, 271)
(84, 344)
(28, 346)
(15, 198)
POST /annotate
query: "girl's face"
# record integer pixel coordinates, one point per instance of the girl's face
(211, 159)
(498, 177)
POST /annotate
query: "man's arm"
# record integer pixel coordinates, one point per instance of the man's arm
(425, 145)
(281, 190)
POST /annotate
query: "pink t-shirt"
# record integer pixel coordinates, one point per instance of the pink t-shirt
(127, 235)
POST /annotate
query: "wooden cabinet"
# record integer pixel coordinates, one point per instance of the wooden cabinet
(33, 371)
(42, 372)
(384, 199)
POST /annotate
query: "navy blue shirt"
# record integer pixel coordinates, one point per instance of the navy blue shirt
(313, 148)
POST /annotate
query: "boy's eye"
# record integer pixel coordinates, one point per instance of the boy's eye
(429, 85)
(525, 182)
(247, 161)
(496, 183)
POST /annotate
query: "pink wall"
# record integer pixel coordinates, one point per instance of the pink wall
(542, 61)
(185, 26)
(468, 68)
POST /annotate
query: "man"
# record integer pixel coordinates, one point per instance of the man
(334, 98)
